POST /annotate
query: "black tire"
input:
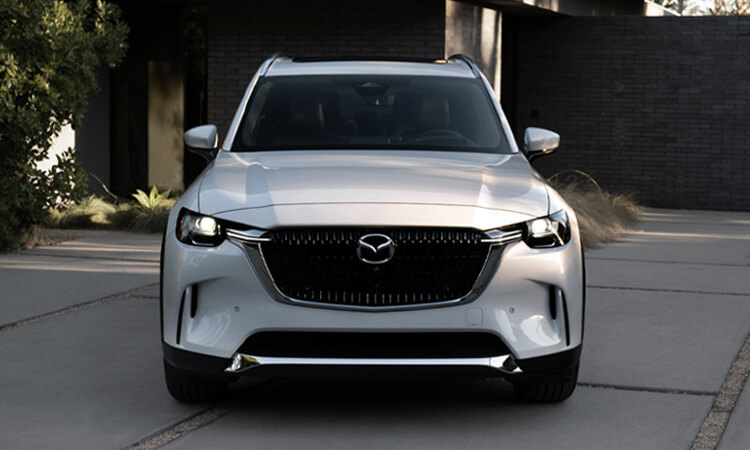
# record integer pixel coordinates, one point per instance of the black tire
(192, 388)
(547, 391)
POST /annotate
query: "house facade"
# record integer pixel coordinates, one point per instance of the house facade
(190, 61)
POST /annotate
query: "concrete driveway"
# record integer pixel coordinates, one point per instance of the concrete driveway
(668, 313)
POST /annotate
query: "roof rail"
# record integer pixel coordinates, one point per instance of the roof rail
(270, 61)
(305, 59)
(469, 62)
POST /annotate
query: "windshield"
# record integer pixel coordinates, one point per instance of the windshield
(370, 112)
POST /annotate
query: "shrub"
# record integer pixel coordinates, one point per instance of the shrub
(49, 53)
(91, 212)
(151, 210)
(601, 216)
(145, 213)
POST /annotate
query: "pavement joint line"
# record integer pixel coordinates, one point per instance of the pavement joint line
(52, 255)
(674, 291)
(717, 224)
(621, 387)
(682, 222)
(172, 432)
(76, 307)
(211, 414)
(688, 235)
(667, 262)
(715, 423)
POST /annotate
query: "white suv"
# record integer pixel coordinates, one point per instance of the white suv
(371, 217)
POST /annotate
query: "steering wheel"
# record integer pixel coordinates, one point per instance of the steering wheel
(437, 132)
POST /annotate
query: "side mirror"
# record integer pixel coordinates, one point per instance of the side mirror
(203, 141)
(539, 142)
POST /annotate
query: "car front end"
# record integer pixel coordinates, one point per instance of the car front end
(345, 262)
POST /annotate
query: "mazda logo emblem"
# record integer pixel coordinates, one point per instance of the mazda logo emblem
(375, 248)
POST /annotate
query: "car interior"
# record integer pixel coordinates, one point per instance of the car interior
(336, 113)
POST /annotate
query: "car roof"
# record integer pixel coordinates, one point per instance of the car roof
(314, 66)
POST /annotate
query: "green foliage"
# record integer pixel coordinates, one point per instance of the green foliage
(730, 8)
(152, 201)
(49, 53)
(702, 8)
(152, 210)
(90, 212)
(145, 213)
(66, 181)
(681, 7)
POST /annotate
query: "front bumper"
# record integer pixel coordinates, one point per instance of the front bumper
(213, 300)
(550, 367)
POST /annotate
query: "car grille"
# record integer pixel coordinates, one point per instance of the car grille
(322, 266)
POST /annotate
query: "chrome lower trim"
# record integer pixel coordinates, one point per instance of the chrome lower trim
(503, 363)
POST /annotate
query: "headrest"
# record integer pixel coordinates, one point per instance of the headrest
(306, 114)
(434, 113)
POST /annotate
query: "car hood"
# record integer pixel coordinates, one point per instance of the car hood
(238, 181)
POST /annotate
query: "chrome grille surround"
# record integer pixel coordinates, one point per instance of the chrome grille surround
(485, 265)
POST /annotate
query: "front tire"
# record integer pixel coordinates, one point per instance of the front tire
(547, 391)
(192, 388)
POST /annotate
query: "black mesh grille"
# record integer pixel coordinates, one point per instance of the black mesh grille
(429, 265)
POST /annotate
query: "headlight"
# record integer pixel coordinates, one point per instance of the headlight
(197, 229)
(550, 231)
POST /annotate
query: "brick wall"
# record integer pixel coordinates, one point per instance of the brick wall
(657, 107)
(241, 37)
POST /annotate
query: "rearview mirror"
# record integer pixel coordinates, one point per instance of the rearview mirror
(539, 142)
(203, 141)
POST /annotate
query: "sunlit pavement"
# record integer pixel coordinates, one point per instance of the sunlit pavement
(668, 310)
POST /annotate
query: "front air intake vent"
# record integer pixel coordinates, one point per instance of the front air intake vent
(316, 344)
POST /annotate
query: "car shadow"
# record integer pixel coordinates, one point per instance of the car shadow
(345, 396)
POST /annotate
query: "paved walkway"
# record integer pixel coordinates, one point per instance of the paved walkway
(668, 311)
